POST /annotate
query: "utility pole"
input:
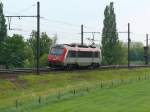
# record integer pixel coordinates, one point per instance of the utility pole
(129, 45)
(146, 40)
(146, 51)
(38, 32)
(81, 34)
(38, 36)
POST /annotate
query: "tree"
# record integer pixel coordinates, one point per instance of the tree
(29, 61)
(45, 43)
(32, 42)
(3, 27)
(43, 60)
(14, 51)
(110, 41)
(3, 33)
(121, 54)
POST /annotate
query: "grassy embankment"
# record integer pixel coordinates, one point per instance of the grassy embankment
(133, 97)
(25, 87)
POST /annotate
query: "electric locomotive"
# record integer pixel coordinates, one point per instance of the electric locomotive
(73, 55)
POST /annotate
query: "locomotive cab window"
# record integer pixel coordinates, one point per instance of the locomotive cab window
(56, 51)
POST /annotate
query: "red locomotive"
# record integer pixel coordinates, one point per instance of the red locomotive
(73, 55)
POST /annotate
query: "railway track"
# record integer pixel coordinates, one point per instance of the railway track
(42, 70)
(24, 70)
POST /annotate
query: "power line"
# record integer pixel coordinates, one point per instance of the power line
(54, 27)
(61, 22)
(10, 18)
(46, 25)
(23, 10)
(20, 16)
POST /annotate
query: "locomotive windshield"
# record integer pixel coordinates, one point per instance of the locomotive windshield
(56, 51)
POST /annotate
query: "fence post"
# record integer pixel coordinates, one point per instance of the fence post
(74, 91)
(139, 78)
(101, 84)
(59, 95)
(39, 100)
(17, 103)
(145, 77)
(87, 89)
(112, 83)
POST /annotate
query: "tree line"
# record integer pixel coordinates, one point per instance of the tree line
(15, 51)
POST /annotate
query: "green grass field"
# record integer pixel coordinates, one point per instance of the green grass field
(133, 97)
(27, 88)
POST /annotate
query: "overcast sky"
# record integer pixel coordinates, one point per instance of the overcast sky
(64, 17)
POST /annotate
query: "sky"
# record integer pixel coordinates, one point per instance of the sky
(64, 18)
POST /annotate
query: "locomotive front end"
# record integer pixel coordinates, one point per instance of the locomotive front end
(56, 56)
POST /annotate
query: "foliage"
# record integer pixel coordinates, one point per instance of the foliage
(137, 51)
(110, 42)
(121, 54)
(14, 51)
(32, 42)
(43, 60)
(45, 43)
(3, 33)
(3, 27)
(29, 61)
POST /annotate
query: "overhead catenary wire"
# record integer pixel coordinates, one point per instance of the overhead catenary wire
(45, 25)
(15, 14)
(61, 22)
(24, 10)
